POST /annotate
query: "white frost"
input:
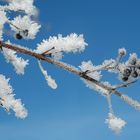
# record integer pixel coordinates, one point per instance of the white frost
(131, 102)
(90, 70)
(3, 20)
(132, 59)
(8, 101)
(71, 43)
(88, 66)
(51, 82)
(25, 23)
(18, 62)
(21, 5)
(93, 86)
(114, 123)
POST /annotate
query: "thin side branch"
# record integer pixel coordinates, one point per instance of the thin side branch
(13, 25)
(124, 85)
(104, 67)
(48, 51)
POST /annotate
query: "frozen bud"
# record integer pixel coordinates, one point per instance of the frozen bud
(134, 74)
(133, 59)
(122, 51)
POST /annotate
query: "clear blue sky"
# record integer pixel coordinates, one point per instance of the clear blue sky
(74, 112)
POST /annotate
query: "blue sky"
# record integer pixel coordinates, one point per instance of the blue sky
(74, 112)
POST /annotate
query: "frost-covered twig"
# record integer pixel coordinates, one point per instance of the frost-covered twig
(51, 82)
(123, 85)
(71, 43)
(25, 6)
(128, 100)
(114, 123)
(13, 25)
(108, 97)
(121, 53)
(131, 102)
(48, 51)
(8, 100)
(18, 62)
(100, 68)
(25, 26)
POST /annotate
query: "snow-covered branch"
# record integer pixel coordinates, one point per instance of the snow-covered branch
(51, 82)
(102, 86)
(8, 100)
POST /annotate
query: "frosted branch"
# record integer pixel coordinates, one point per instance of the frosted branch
(8, 101)
(71, 43)
(19, 5)
(131, 102)
(18, 62)
(51, 82)
(25, 27)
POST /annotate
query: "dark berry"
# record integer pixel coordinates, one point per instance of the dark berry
(19, 36)
(134, 74)
(124, 78)
(127, 72)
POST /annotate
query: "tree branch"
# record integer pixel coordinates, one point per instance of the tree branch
(72, 70)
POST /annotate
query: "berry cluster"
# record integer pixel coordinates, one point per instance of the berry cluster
(131, 69)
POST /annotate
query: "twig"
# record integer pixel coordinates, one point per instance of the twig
(118, 60)
(1, 104)
(110, 104)
(104, 67)
(14, 25)
(123, 85)
(7, 9)
(47, 52)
